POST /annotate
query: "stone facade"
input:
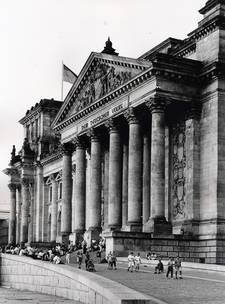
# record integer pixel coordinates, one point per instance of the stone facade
(134, 153)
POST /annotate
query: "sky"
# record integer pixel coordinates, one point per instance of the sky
(36, 36)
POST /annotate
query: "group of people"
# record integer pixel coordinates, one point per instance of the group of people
(173, 267)
(134, 262)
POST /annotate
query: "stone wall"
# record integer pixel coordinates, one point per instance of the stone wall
(64, 281)
(190, 249)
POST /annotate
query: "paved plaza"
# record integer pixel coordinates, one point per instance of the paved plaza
(196, 287)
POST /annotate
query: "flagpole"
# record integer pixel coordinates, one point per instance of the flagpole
(62, 84)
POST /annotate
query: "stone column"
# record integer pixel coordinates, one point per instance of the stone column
(31, 213)
(25, 210)
(68, 149)
(134, 173)
(125, 186)
(106, 187)
(158, 221)
(95, 184)
(18, 210)
(12, 215)
(54, 208)
(80, 190)
(39, 201)
(146, 178)
(115, 178)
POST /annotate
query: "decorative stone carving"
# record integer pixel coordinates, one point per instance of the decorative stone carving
(179, 171)
(131, 116)
(25, 182)
(12, 186)
(156, 104)
(67, 148)
(103, 79)
(112, 125)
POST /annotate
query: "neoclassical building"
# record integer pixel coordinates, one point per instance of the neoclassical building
(135, 153)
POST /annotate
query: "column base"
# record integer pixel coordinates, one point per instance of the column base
(134, 227)
(65, 238)
(158, 226)
(93, 233)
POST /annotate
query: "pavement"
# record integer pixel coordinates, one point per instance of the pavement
(198, 286)
(13, 296)
(201, 284)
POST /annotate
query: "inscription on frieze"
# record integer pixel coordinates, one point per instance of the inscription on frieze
(179, 171)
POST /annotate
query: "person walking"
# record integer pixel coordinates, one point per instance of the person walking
(79, 259)
(109, 260)
(137, 260)
(159, 267)
(114, 260)
(178, 268)
(170, 268)
(131, 262)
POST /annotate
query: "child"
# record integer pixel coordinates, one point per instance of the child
(170, 268)
(131, 262)
(137, 260)
(177, 266)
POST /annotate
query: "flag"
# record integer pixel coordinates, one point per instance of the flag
(68, 75)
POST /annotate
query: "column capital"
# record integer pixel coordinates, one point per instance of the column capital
(12, 186)
(25, 181)
(112, 125)
(78, 142)
(131, 116)
(67, 148)
(193, 111)
(156, 104)
(93, 134)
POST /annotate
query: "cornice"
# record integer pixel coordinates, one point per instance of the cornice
(50, 158)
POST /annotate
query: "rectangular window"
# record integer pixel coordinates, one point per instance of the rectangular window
(50, 193)
(60, 191)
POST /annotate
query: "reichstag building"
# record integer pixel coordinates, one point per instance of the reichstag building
(134, 154)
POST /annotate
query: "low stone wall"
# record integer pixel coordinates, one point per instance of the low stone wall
(61, 280)
(189, 248)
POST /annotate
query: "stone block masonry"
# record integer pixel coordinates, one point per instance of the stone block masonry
(60, 280)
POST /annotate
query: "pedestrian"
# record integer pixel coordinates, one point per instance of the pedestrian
(79, 259)
(109, 260)
(137, 260)
(159, 268)
(131, 262)
(67, 257)
(87, 258)
(114, 260)
(170, 268)
(178, 268)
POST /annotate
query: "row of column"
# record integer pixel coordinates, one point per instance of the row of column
(20, 200)
(138, 184)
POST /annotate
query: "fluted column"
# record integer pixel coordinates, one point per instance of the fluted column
(39, 202)
(54, 209)
(158, 221)
(66, 191)
(25, 210)
(95, 190)
(125, 186)
(80, 188)
(146, 178)
(18, 211)
(115, 177)
(12, 215)
(134, 172)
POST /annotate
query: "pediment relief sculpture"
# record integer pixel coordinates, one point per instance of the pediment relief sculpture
(103, 79)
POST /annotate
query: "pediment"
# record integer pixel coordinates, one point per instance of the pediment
(101, 75)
